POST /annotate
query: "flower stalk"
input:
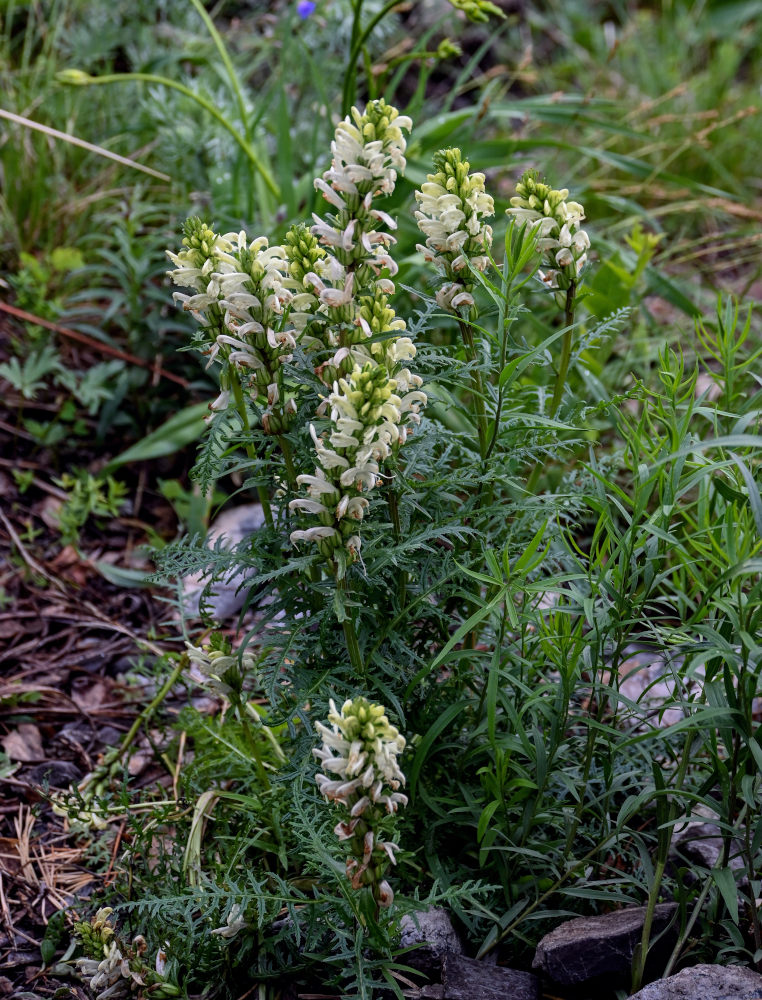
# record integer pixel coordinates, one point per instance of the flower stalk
(563, 247)
(452, 207)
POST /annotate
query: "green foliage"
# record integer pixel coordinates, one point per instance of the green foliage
(28, 376)
(89, 496)
(582, 493)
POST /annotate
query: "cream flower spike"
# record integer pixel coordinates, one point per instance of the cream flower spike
(361, 774)
(556, 221)
(452, 207)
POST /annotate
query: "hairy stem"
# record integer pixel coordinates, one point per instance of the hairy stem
(240, 403)
(392, 499)
(478, 387)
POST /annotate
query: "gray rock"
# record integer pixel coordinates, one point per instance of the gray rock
(55, 773)
(702, 844)
(432, 931)
(705, 982)
(226, 597)
(586, 947)
(467, 979)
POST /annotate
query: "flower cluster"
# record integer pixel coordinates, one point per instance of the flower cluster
(305, 257)
(359, 751)
(366, 415)
(557, 223)
(367, 154)
(115, 970)
(452, 207)
(241, 302)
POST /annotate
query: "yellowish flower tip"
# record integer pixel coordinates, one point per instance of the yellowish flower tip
(363, 720)
(302, 251)
(448, 49)
(478, 10)
(199, 239)
(74, 77)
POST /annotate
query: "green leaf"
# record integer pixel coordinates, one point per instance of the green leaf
(426, 743)
(476, 618)
(120, 576)
(182, 429)
(487, 813)
(723, 879)
(754, 500)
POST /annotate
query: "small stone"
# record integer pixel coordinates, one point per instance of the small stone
(586, 947)
(432, 931)
(55, 774)
(707, 982)
(702, 844)
(227, 596)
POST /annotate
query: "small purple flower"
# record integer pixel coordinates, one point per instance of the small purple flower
(304, 8)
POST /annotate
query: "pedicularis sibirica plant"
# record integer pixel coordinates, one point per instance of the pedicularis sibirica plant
(420, 561)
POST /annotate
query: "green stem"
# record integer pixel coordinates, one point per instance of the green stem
(358, 40)
(240, 403)
(392, 499)
(226, 61)
(353, 646)
(288, 461)
(85, 80)
(148, 711)
(537, 903)
(566, 345)
(563, 370)
(478, 387)
(267, 732)
(251, 742)
(350, 636)
(663, 845)
(645, 937)
(485, 486)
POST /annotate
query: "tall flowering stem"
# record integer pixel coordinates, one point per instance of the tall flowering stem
(362, 777)
(452, 207)
(341, 275)
(563, 246)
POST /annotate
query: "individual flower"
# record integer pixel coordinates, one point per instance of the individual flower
(361, 774)
(452, 207)
(556, 222)
(234, 923)
(216, 666)
(305, 8)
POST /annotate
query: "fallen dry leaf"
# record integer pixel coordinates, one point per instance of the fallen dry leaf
(24, 743)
